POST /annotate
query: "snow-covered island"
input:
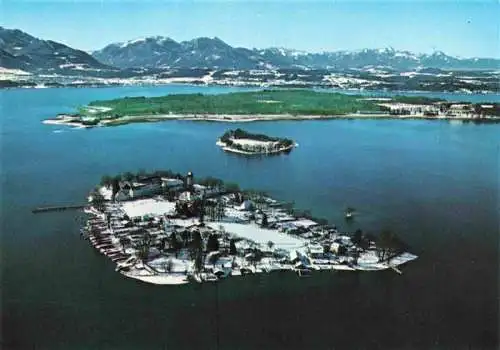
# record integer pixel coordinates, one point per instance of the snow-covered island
(166, 228)
(240, 141)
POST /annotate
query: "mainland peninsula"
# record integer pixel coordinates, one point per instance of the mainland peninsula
(269, 105)
(168, 228)
(243, 142)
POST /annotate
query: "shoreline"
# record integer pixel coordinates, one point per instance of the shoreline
(245, 84)
(248, 118)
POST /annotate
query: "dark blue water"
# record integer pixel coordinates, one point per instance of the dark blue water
(434, 183)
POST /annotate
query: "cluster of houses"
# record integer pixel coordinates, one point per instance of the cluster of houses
(148, 186)
(441, 110)
(150, 227)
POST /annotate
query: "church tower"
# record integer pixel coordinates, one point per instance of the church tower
(189, 181)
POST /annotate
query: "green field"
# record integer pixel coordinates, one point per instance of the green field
(267, 102)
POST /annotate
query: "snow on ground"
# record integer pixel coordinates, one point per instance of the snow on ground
(368, 257)
(184, 222)
(159, 279)
(106, 192)
(261, 235)
(78, 66)
(149, 206)
(4, 72)
(178, 265)
(248, 142)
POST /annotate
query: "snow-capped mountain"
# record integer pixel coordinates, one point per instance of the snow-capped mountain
(19, 50)
(157, 52)
(161, 52)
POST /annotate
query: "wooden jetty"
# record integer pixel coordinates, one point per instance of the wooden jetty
(57, 208)
(396, 269)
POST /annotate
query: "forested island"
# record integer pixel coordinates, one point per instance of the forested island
(291, 104)
(241, 141)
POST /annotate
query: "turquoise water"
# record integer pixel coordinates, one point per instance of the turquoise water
(434, 183)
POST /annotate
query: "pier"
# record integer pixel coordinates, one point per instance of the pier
(396, 269)
(46, 209)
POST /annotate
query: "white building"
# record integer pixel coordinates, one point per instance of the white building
(131, 190)
(172, 184)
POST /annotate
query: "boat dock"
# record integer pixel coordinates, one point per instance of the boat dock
(396, 269)
(57, 208)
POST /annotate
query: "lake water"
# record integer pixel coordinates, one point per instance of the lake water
(434, 183)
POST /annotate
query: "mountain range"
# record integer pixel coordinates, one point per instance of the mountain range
(164, 52)
(19, 50)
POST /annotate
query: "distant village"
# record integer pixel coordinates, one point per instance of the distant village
(166, 228)
(441, 109)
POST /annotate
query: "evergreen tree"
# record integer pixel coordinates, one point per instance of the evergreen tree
(115, 187)
(198, 260)
(196, 244)
(264, 220)
(169, 265)
(232, 248)
(342, 250)
(357, 237)
(98, 201)
(202, 211)
(175, 244)
(213, 243)
(213, 259)
(144, 247)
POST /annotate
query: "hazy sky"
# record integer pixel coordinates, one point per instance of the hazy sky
(465, 28)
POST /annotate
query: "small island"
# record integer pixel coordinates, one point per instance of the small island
(168, 228)
(272, 105)
(243, 142)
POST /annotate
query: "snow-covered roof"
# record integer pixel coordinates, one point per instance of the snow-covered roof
(305, 223)
(172, 181)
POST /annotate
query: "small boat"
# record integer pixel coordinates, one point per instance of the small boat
(220, 273)
(209, 277)
(246, 271)
(349, 213)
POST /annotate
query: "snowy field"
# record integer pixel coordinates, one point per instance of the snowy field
(261, 235)
(149, 206)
